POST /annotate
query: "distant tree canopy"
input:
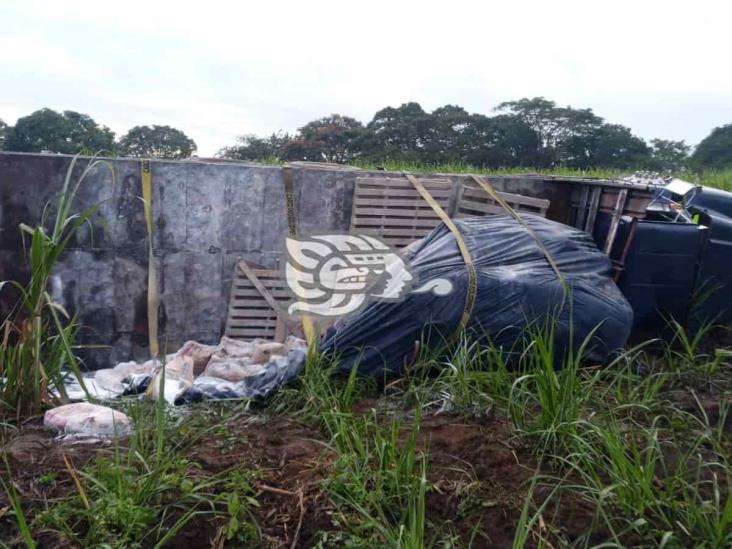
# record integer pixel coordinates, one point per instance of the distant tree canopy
(251, 147)
(334, 138)
(715, 150)
(67, 132)
(156, 142)
(529, 132)
(3, 131)
(532, 132)
(669, 155)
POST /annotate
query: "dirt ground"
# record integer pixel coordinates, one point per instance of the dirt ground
(476, 471)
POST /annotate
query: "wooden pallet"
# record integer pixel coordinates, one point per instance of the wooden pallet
(392, 209)
(474, 201)
(258, 304)
(588, 200)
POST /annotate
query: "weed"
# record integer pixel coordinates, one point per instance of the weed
(548, 398)
(21, 520)
(380, 484)
(38, 336)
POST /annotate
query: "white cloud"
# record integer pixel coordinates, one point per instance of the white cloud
(219, 69)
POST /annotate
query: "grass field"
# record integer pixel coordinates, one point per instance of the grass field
(465, 450)
(462, 452)
(721, 179)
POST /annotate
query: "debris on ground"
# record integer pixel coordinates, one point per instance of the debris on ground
(114, 379)
(231, 369)
(200, 354)
(178, 377)
(85, 418)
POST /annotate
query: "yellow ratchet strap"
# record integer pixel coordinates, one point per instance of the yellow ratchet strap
(472, 275)
(152, 278)
(307, 322)
(488, 188)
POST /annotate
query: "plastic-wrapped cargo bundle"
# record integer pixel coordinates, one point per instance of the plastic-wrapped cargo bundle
(516, 287)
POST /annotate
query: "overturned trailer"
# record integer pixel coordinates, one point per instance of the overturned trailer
(219, 230)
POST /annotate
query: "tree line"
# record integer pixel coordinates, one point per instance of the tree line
(70, 132)
(530, 132)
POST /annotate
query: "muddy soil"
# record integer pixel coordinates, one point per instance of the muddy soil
(477, 471)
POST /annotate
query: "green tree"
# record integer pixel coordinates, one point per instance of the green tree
(499, 141)
(398, 134)
(251, 147)
(715, 150)
(669, 155)
(334, 138)
(156, 142)
(68, 132)
(444, 137)
(555, 127)
(3, 131)
(608, 146)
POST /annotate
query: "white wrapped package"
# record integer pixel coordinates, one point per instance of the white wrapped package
(87, 419)
(178, 378)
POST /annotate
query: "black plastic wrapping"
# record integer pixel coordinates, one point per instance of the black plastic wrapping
(516, 286)
(278, 371)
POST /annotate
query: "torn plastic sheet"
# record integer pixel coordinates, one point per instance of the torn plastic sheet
(275, 373)
(264, 380)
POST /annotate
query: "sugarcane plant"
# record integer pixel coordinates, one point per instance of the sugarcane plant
(37, 337)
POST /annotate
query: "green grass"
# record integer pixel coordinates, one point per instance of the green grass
(38, 335)
(145, 492)
(633, 443)
(719, 178)
(379, 482)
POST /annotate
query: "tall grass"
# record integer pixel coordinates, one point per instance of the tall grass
(143, 492)
(719, 178)
(380, 482)
(38, 335)
(653, 473)
(551, 392)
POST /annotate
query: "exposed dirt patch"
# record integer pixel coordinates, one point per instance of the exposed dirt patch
(478, 477)
(292, 460)
(476, 470)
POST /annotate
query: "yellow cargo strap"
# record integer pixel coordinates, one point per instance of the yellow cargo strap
(472, 275)
(152, 278)
(495, 196)
(307, 322)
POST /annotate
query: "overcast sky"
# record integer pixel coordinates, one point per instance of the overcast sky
(217, 70)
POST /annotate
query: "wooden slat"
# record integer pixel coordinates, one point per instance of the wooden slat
(437, 192)
(243, 293)
(415, 233)
(391, 202)
(475, 201)
(617, 213)
(392, 209)
(478, 208)
(250, 312)
(394, 212)
(592, 211)
(257, 304)
(398, 222)
(400, 182)
(582, 207)
(250, 333)
(539, 203)
(252, 322)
